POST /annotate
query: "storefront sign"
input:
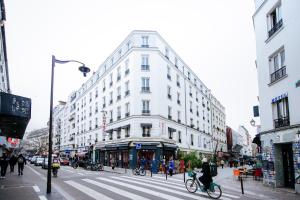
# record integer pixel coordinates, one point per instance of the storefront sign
(298, 83)
(2, 140)
(13, 105)
(138, 146)
(275, 99)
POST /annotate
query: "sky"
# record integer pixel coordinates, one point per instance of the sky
(214, 37)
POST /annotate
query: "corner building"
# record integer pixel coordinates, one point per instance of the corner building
(143, 101)
(277, 30)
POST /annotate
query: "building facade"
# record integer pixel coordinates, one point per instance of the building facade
(143, 101)
(245, 140)
(277, 41)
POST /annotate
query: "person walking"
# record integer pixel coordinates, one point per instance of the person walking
(21, 161)
(171, 166)
(206, 178)
(4, 163)
(12, 163)
(222, 163)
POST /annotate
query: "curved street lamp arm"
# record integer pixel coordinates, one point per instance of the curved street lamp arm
(54, 60)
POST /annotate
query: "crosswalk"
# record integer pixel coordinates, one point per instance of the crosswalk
(137, 187)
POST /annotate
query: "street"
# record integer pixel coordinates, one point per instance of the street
(81, 184)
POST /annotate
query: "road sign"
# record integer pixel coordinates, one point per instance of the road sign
(138, 146)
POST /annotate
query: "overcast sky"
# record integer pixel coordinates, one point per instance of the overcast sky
(214, 37)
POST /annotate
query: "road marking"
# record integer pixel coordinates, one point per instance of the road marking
(142, 189)
(162, 181)
(173, 179)
(92, 193)
(34, 171)
(160, 188)
(42, 197)
(36, 188)
(116, 190)
(80, 174)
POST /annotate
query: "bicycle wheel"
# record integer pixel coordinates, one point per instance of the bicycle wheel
(191, 185)
(134, 171)
(142, 172)
(214, 191)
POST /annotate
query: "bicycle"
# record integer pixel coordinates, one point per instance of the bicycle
(193, 184)
(139, 171)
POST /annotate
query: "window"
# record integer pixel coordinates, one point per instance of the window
(90, 125)
(281, 112)
(96, 107)
(179, 136)
(191, 94)
(199, 141)
(111, 116)
(103, 85)
(145, 84)
(127, 88)
(145, 62)
(197, 110)
(197, 96)
(90, 114)
(169, 92)
(111, 80)
(176, 62)
(96, 122)
(127, 131)
(90, 96)
(178, 80)
(112, 61)
(178, 97)
(128, 45)
(191, 121)
(145, 40)
(169, 73)
(118, 93)
(277, 66)
(189, 75)
(169, 112)
(195, 81)
(191, 107)
(145, 109)
(167, 53)
(146, 131)
(127, 67)
(119, 73)
(120, 53)
(104, 102)
(170, 133)
(198, 127)
(192, 139)
(111, 97)
(119, 112)
(119, 133)
(274, 20)
(127, 109)
(179, 116)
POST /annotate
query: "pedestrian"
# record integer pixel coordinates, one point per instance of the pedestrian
(4, 163)
(21, 161)
(206, 178)
(171, 166)
(112, 161)
(222, 163)
(143, 162)
(12, 163)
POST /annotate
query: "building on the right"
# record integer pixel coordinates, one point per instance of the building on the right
(277, 30)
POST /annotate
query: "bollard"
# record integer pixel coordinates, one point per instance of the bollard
(184, 174)
(242, 186)
(151, 171)
(166, 173)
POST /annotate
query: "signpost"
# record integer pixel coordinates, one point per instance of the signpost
(138, 146)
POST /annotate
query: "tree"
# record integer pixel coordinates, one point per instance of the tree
(191, 157)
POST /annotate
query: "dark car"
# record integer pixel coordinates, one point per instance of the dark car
(64, 161)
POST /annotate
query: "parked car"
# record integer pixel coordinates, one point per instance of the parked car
(64, 161)
(45, 163)
(39, 161)
(32, 161)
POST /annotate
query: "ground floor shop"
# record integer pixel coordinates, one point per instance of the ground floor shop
(281, 158)
(131, 154)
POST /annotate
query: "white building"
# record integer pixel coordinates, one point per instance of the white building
(245, 141)
(218, 125)
(4, 78)
(277, 30)
(142, 101)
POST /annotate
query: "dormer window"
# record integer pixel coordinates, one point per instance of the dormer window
(145, 41)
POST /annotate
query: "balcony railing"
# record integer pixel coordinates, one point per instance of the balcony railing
(169, 117)
(169, 96)
(127, 114)
(145, 89)
(145, 45)
(169, 76)
(179, 121)
(118, 117)
(278, 74)
(145, 67)
(118, 97)
(126, 71)
(118, 78)
(282, 122)
(111, 101)
(127, 92)
(275, 28)
(110, 84)
(178, 84)
(178, 101)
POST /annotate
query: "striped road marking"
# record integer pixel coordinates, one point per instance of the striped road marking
(114, 189)
(164, 177)
(36, 188)
(141, 189)
(92, 193)
(42, 197)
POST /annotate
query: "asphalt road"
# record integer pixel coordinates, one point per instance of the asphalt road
(80, 184)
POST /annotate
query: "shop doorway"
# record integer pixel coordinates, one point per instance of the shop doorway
(148, 155)
(288, 165)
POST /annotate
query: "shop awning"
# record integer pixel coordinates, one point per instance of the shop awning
(100, 146)
(148, 125)
(171, 129)
(15, 113)
(170, 146)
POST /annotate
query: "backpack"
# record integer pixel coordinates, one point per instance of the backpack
(213, 170)
(20, 160)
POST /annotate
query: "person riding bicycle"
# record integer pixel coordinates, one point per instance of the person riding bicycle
(55, 166)
(206, 178)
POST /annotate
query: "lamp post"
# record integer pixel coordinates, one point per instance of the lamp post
(84, 70)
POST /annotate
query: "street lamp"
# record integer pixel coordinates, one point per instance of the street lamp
(84, 70)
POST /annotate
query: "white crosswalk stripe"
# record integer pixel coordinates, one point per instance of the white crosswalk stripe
(114, 189)
(160, 188)
(163, 177)
(142, 189)
(92, 193)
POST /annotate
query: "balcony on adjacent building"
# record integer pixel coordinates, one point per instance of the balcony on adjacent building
(169, 96)
(118, 97)
(119, 78)
(126, 71)
(119, 117)
(145, 67)
(145, 112)
(127, 114)
(275, 28)
(282, 122)
(169, 117)
(178, 101)
(278, 74)
(178, 84)
(169, 76)
(145, 89)
(127, 92)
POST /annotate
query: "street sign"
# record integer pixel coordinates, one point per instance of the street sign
(138, 146)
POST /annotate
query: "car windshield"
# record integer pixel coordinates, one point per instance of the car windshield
(40, 159)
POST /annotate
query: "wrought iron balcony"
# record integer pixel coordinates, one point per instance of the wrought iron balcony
(127, 114)
(119, 78)
(126, 71)
(275, 28)
(146, 112)
(127, 92)
(178, 84)
(278, 74)
(178, 101)
(169, 96)
(169, 76)
(118, 97)
(169, 117)
(145, 89)
(282, 122)
(145, 67)
(145, 45)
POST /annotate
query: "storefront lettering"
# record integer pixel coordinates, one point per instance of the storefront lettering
(275, 99)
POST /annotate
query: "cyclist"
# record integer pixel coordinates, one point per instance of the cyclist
(206, 177)
(55, 166)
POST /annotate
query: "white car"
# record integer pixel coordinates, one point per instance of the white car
(39, 161)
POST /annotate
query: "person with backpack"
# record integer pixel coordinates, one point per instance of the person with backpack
(171, 166)
(21, 161)
(206, 177)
